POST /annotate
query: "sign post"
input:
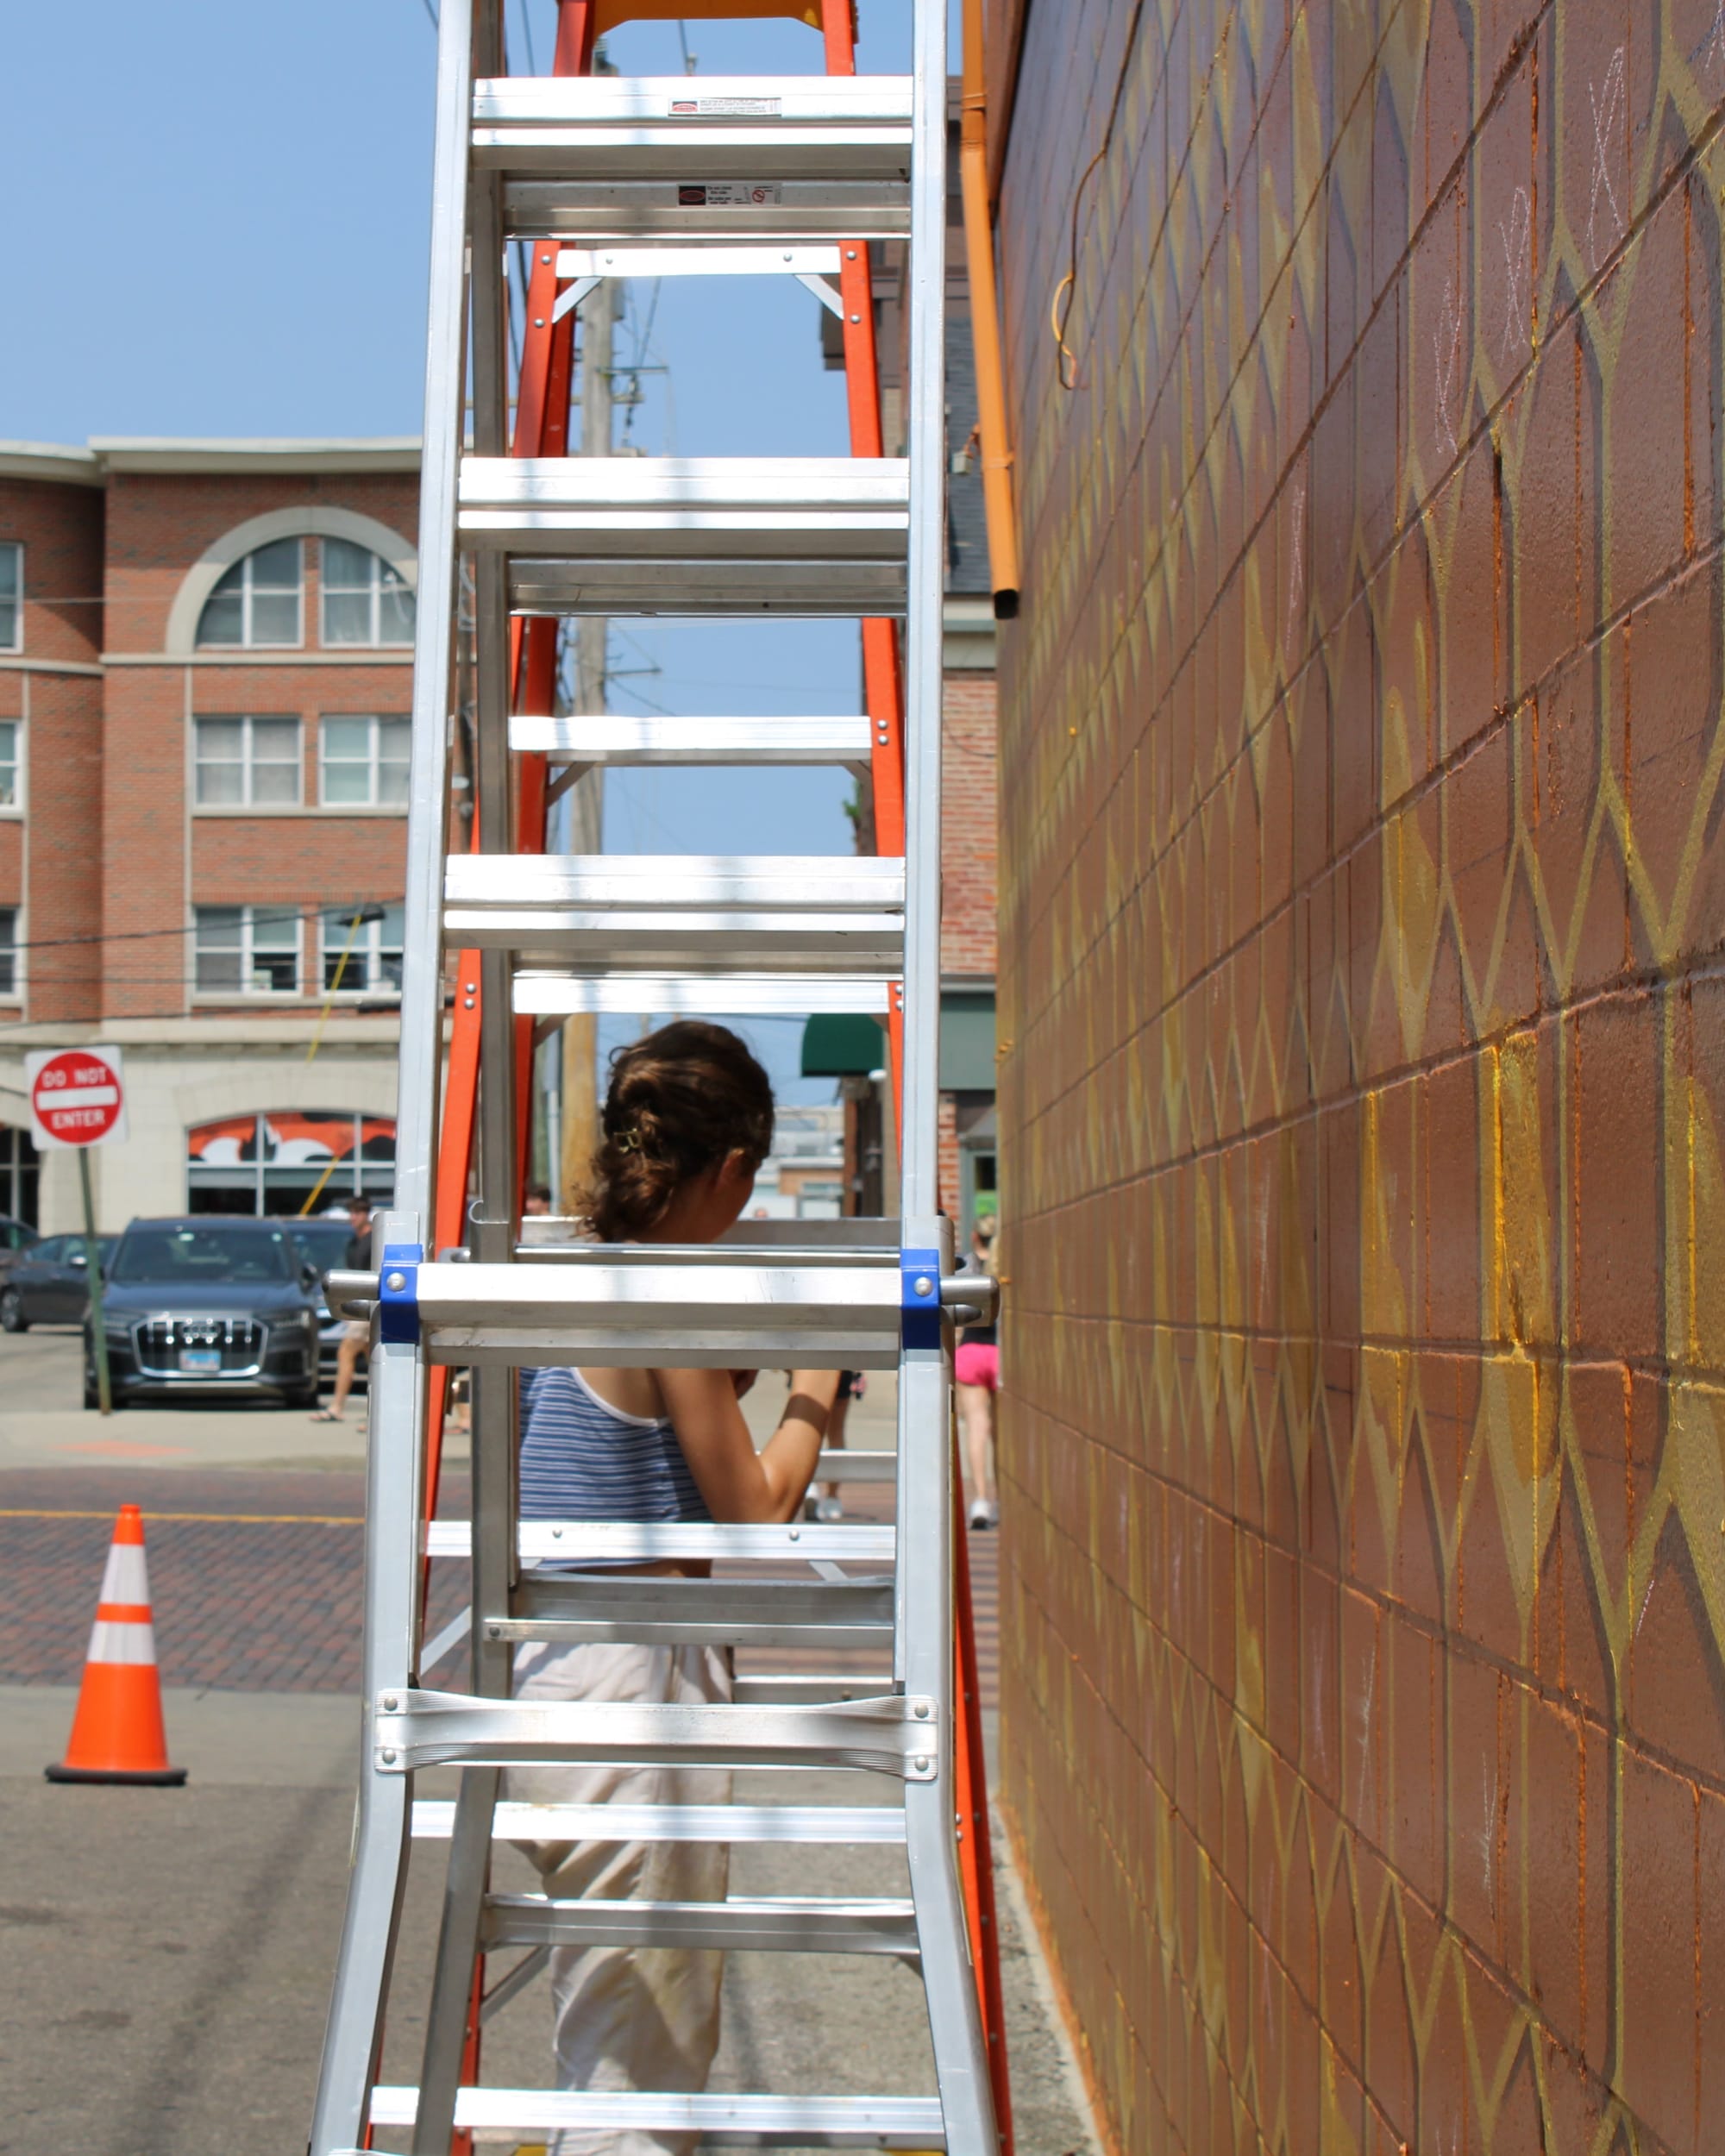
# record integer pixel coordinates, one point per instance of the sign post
(77, 1099)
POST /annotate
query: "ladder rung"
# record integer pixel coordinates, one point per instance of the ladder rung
(747, 1924)
(890, 1733)
(702, 995)
(647, 1541)
(613, 738)
(679, 587)
(550, 1238)
(735, 1316)
(593, 209)
(434, 1820)
(697, 261)
(832, 1613)
(745, 2121)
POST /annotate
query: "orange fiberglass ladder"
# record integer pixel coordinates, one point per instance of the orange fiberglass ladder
(614, 176)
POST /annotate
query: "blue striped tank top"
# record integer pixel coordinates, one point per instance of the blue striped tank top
(583, 1459)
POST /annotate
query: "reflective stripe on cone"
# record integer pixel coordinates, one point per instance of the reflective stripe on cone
(117, 1733)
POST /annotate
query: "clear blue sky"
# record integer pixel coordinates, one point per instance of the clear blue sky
(220, 229)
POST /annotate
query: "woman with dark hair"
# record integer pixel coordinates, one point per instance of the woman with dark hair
(687, 1121)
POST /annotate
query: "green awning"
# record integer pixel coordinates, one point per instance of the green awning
(967, 1042)
(842, 1044)
(845, 1044)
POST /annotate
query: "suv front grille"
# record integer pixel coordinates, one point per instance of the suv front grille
(240, 1342)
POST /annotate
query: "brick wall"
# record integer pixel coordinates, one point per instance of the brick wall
(61, 527)
(968, 836)
(1363, 1597)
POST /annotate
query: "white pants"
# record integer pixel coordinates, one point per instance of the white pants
(627, 2017)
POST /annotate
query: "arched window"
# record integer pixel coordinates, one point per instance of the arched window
(289, 1159)
(365, 600)
(258, 601)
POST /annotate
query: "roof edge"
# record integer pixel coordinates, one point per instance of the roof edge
(56, 461)
(169, 453)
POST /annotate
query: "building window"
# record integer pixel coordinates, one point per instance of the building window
(9, 951)
(19, 1171)
(258, 600)
(366, 958)
(364, 761)
(248, 762)
(10, 731)
(290, 1161)
(247, 951)
(365, 601)
(11, 596)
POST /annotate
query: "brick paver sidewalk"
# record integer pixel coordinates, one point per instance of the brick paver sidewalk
(255, 1577)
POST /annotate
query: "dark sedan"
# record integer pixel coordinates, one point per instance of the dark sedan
(208, 1306)
(49, 1283)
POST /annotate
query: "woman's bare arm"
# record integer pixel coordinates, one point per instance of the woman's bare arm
(737, 1483)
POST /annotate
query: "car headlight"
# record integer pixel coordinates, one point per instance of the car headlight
(117, 1328)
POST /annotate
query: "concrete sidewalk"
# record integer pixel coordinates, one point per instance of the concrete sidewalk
(168, 1953)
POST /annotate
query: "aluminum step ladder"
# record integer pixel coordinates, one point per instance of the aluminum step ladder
(614, 176)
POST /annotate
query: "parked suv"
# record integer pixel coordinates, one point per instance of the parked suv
(210, 1304)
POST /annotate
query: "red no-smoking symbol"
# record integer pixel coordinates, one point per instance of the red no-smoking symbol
(77, 1097)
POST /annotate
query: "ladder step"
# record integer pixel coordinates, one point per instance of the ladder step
(804, 1691)
(758, 1924)
(615, 738)
(843, 1465)
(819, 913)
(702, 995)
(647, 1541)
(580, 262)
(690, 587)
(786, 883)
(434, 1820)
(854, 509)
(667, 127)
(718, 1316)
(660, 1612)
(734, 2122)
(892, 1734)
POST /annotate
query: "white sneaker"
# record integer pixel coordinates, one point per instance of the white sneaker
(829, 1508)
(984, 1513)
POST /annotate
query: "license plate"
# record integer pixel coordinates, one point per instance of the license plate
(200, 1359)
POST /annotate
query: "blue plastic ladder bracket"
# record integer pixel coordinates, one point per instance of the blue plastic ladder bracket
(919, 1297)
(399, 1305)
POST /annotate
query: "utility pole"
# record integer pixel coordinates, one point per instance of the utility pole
(587, 798)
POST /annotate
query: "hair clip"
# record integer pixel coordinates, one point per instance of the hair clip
(627, 1140)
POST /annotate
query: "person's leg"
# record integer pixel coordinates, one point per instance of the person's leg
(823, 1502)
(976, 1413)
(630, 2018)
(353, 1341)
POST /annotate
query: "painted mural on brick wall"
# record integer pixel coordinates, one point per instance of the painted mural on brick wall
(1364, 1068)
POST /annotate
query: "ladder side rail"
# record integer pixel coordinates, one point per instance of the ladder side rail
(924, 1650)
(397, 1392)
(468, 1870)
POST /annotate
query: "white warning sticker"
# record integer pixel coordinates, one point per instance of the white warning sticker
(726, 107)
(728, 194)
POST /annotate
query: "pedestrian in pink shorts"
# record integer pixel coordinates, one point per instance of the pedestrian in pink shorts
(976, 1369)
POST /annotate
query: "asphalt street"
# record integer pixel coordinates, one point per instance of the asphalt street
(166, 1955)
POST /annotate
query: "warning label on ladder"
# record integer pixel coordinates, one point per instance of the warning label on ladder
(727, 108)
(728, 194)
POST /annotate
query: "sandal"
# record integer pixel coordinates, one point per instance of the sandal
(326, 1414)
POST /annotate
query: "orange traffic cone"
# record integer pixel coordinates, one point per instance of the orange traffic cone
(117, 1733)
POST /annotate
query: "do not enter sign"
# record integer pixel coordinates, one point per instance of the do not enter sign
(77, 1095)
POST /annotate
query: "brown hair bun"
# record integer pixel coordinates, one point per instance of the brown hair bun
(680, 1102)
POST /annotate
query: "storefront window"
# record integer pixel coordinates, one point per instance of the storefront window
(289, 1160)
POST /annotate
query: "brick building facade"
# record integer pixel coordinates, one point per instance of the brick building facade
(1363, 1092)
(205, 670)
